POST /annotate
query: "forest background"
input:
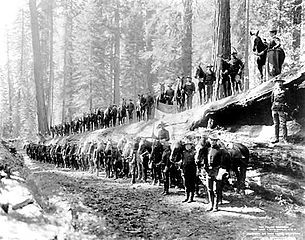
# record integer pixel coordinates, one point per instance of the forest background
(87, 54)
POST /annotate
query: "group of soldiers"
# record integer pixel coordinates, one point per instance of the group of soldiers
(172, 164)
(230, 78)
(112, 116)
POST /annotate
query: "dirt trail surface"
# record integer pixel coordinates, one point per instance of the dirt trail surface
(79, 205)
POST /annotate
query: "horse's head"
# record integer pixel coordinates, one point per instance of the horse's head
(176, 148)
(201, 148)
(258, 44)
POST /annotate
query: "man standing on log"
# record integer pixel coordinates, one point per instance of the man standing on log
(189, 89)
(279, 110)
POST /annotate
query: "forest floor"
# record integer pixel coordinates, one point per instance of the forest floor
(79, 205)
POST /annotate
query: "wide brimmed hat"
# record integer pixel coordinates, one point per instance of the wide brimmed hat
(161, 124)
(233, 53)
(187, 140)
(279, 80)
(209, 66)
(213, 137)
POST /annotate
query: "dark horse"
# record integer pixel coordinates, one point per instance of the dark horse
(161, 98)
(236, 156)
(180, 94)
(260, 49)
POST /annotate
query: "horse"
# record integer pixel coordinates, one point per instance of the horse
(144, 151)
(98, 156)
(260, 50)
(155, 161)
(161, 98)
(108, 158)
(127, 155)
(90, 156)
(177, 148)
(72, 156)
(107, 117)
(180, 95)
(235, 158)
(200, 75)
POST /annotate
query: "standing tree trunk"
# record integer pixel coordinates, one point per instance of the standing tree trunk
(67, 61)
(149, 47)
(296, 34)
(10, 86)
(246, 73)
(117, 43)
(302, 40)
(222, 41)
(41, 107)
(51, 65)
(187, 39)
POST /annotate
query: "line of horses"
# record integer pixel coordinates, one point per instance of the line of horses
(140, 159)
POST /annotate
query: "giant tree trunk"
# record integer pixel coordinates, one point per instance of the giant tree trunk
(187, 39)
(117, 43)
(10, 86)
(246, 71)
(38, 74)
(51, 65)
(296, 34)
(222, 41)
(67, 61)
(149, 76)
(302, 49)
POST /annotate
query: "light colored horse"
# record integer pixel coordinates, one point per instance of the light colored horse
(98, 156)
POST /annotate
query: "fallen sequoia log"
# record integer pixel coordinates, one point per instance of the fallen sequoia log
(252, 107)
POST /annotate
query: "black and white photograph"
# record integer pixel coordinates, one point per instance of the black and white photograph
(152, 119)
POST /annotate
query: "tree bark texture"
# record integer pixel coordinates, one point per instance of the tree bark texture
(10, 85)
(117, 43)
(38, 74)
(223, 41)
(187, 39)
(51, 64)
(302, 52)
(246, 69)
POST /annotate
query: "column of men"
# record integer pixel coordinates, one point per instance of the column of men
(112, 116)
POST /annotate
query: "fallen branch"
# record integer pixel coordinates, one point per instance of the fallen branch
(23, 204)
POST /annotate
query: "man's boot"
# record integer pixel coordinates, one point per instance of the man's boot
(192, 198)
(187, 196)
(211, 199)
(215, 209)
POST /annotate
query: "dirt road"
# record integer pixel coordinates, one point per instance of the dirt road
(100, 208)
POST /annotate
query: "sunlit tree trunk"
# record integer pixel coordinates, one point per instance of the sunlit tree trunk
(222, 40)
(117, 42)
(51, 64)
(187, 39)
(246, 69)
(10, 85)
(38, 74)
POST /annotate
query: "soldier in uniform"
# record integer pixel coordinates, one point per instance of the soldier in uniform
(236, 67)
(189, 89)
(188, 167)
(213, 165)
(200, 74)
(209, 82)
(166, 166)
(130, 109)
(169, 94)
(150, 105)
(279, 109)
